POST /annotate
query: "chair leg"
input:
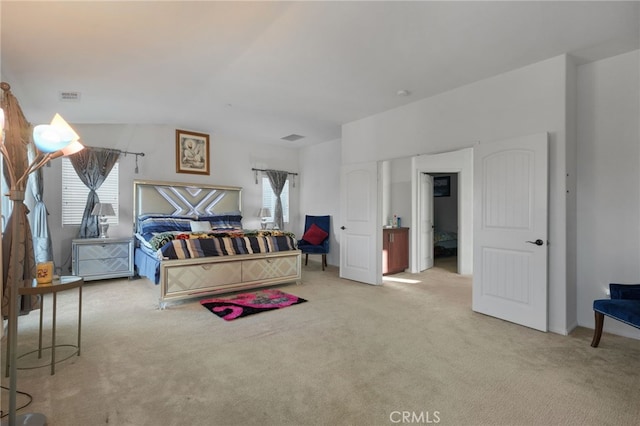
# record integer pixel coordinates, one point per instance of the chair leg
(597, 333)
(324, 261)
(306, 258)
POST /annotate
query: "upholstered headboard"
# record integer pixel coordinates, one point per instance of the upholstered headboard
(184, 199)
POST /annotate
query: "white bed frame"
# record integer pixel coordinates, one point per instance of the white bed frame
(187, 278)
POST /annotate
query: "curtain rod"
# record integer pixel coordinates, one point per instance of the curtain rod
(266, 170)
(141, 154)
(137, 154)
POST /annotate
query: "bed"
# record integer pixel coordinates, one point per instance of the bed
(445, 243)
(191, 242)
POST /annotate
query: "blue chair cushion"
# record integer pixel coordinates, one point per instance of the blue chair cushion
(305, 247)
(625, 310)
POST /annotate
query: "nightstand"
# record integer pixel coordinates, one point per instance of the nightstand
(101, 258)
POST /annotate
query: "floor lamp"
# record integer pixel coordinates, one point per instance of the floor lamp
(52, 140)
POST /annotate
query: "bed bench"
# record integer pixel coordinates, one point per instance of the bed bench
(624, 306)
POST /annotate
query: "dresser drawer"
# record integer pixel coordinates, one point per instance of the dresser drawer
(263, 269)
(193, 277)
(100, 258)
(113, 265)
(102, 251)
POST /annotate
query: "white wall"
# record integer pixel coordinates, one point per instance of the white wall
(400, 191)
(525, 101)
(571, 203)
(320, 178)
(385, 196)
(231, 163)
(608, 186)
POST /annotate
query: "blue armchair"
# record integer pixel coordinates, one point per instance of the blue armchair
(624, 306)
(315, 239)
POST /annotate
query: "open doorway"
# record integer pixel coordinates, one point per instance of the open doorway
(445, 221)
(460, 164)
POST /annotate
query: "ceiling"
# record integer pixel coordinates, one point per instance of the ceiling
(259, 71)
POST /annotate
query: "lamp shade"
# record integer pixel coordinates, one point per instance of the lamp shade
(264, 212)
(72, 148)
(55, 136)
(48, 139)
(103, 209)
(63, 127)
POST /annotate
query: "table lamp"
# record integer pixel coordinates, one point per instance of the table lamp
(264, 214)
(103, 210)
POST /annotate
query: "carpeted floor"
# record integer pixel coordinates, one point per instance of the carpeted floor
(410, 351)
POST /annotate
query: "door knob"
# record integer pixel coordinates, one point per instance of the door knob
(343, 228)
(537, 242)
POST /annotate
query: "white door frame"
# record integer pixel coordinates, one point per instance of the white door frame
(460, 162)
(425, 217)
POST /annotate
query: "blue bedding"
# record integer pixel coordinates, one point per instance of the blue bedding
(147, 263)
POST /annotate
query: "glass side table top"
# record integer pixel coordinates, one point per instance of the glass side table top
(64, 282)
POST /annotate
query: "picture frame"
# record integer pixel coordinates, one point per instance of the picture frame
(192, 152)
(442, 186)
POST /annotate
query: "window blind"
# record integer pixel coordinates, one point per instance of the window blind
(75, 193)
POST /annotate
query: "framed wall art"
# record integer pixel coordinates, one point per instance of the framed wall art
(192, 152)
(442, 186)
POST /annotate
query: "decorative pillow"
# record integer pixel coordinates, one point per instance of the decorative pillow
(163, 224)
(226, 221)
(315, 235)
(200, 226)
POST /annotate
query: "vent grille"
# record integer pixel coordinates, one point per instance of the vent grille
(292, 137)
(70, 96)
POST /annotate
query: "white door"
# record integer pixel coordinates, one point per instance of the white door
(510, 230)
(426, 221)
(361, 234)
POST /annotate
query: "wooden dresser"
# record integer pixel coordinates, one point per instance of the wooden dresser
(395, 250)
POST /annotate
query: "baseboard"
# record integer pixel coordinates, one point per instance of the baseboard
(632, 333)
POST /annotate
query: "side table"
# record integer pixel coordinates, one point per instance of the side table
(102, 258)
(59, 284)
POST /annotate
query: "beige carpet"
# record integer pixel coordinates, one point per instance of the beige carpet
(352, 355)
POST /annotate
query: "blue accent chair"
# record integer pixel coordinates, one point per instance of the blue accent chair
(624, 306)
(324, 223)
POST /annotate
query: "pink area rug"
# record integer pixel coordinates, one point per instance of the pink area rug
(245, 304)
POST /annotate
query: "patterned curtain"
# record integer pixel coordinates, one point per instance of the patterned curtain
(277, 179)
(19, 268)
(38, 218)
(93, 165)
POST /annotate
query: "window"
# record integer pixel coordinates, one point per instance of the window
(74, 194)
(269, 199)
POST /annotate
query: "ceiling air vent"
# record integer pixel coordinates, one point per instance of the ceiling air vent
(70, 96)
(292, 137)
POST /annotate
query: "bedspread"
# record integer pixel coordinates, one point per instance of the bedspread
(188, 246)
